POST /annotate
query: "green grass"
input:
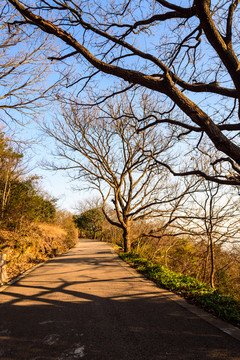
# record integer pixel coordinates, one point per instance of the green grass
(213, 301)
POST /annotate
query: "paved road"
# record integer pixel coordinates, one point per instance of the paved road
(88, 304)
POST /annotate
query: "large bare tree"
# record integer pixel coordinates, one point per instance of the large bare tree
(187, 53)
(108, 155)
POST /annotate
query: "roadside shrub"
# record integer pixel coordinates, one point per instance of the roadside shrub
(223, 306)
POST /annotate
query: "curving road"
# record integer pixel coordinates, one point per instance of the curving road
(87, 304)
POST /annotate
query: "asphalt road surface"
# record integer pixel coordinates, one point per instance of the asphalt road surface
(87, 304)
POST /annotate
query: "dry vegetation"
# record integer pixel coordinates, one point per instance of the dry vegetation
(183, 254)
(35, 244)
(32, 230)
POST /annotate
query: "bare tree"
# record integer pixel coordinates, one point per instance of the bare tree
(161, 232)
(107, 153)
(10, 170)
(187, 53)
(212, 219)
(23, 69)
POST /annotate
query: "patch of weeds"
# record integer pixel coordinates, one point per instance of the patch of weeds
(212, 300)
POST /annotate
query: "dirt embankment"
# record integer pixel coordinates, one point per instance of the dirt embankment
(33, 245)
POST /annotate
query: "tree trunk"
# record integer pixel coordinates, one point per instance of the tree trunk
(6, 192)
(212, 273)
(126, 240)
(205, 266)
(166, 258)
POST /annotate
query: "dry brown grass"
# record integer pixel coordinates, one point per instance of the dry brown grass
(52, 229)
(33, 245)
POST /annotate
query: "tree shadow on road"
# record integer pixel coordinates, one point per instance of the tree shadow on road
(66, 319)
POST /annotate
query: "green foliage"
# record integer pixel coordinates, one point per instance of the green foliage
(9, 158)
(90, 222)
(189, 257)
(21, 201)
(27, 204)
(224, 306)
(28, 232)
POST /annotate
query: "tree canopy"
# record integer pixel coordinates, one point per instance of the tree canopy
(185, 53)
(90, 221)
(103, 151)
